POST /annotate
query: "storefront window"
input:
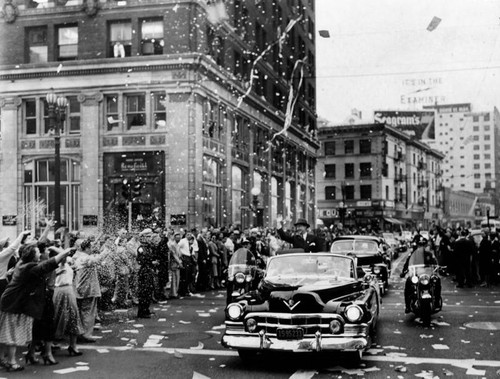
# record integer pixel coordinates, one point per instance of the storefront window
(39, 193)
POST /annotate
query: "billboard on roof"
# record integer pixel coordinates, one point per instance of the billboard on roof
(418, 124)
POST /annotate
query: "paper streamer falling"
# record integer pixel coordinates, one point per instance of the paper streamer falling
(292, 98)
(268, 48)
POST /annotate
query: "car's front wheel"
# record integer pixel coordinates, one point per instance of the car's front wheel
(246, 355)
(354, 356)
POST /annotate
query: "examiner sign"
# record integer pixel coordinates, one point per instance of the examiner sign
(419, 124)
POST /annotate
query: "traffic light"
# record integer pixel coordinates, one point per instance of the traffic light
(126, 189)
(136, 188)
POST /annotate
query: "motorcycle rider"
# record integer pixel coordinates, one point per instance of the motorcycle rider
(422, 255)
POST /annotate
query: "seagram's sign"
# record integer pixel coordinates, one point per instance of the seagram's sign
(419, 124)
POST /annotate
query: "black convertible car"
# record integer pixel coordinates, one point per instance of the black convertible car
(370, 254)
(306, 302)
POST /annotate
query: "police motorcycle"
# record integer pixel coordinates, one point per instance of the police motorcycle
(242, 274)
(423, 284)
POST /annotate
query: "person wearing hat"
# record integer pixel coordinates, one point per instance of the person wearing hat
(146, 274)
(301, 239)
(419, 258)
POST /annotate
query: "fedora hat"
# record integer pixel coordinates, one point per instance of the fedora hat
(302, 221)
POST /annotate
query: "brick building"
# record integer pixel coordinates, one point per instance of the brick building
(162, 91)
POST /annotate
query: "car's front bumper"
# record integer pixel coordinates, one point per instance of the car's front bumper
(262, 341)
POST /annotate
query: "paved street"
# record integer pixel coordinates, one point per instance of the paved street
(183, 341)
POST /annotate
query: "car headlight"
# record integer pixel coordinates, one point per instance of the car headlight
(353, 313)
(414, 279)
(335, 326)
(424, 280)
(234, 311)
(251, 325)
(240, 278)
(376, 270)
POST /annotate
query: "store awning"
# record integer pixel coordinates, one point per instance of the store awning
(393, 221)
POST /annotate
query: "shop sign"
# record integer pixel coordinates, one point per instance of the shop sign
(9, 220)
(364, 203)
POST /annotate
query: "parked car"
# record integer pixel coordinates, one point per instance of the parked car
(371, 255)
(305, 303)
(391, 240)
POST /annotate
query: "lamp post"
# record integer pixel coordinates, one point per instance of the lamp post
(57, 114)
(255, 191)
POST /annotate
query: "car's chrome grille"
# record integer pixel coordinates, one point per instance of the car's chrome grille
(310, 323)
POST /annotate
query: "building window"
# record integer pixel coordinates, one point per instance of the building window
(365, 146)
(212, 208)
(487, 137)
(486, 128)
(37, 45)
(349, 147)
(112, 113)
(329, 171)
(487, 175)
(477, 166)
(349, 192)
(120, 39)
(276, 204)
(30, 116)
(487, 147)
(330, 193)
(487, 117)
(476, 156)
(477, 176)
(487, 156)
(39, 192)
(365, 170)
(237, 194)
(475, 118)
(135, 110)
(475, 128)
(330, 148)
(487, 165)
(365, 192)
(73, 119)
(152, 37)
(159, 101)
(349, 170)
(477, 185)
(67, 43)
(476, 147)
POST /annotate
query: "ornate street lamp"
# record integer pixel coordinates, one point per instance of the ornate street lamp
(57, 115)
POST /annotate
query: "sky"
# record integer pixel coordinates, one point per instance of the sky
(380, 55)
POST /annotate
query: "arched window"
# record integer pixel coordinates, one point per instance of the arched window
(38, 197)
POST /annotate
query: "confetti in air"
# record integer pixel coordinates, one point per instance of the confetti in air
(254, 64)
(292, 98)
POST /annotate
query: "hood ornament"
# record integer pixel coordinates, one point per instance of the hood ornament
(291, 304)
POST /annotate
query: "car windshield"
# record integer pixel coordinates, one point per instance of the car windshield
(298, 270)
(355, 246)
(388, 236)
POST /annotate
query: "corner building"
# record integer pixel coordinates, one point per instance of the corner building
(376, 176)
(163, 91)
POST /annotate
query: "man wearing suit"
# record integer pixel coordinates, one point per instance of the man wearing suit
(302, 239)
